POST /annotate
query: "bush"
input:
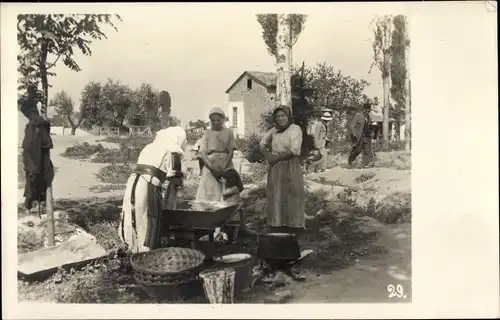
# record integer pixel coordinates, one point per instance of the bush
(29, 240)
(395, 208)
(193, 136)
(259, 173)
(133, 141)
(124, 154)
(82, 151)
(90, 214)
(107, 188)
(250, 147)
(128, 151)
(115, 173)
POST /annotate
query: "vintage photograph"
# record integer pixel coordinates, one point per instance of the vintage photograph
(173, 156)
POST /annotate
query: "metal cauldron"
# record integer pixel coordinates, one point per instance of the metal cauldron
(278, 247)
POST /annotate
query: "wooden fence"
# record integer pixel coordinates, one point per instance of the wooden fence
(109, 131)
(140, 131)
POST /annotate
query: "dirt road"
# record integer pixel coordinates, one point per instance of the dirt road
(74, 177)
(367, 280)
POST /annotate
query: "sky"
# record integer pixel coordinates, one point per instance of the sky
(196, 56)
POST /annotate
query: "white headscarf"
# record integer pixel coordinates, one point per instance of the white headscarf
(169, 140)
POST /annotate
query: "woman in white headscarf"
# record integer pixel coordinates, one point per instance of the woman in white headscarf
(216, 153)
(153, 183)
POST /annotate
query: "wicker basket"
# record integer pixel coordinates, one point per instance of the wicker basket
(166, 262)
(171, 290)
(151, 279)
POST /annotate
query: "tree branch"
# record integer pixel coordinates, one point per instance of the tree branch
(54, 63)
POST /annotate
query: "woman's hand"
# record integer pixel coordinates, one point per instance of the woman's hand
(272, 160)
(215, 172)
(267, 156)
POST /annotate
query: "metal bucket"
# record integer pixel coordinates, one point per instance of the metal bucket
(242, 264)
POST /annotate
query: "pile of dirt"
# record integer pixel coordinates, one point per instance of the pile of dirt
(380, 192)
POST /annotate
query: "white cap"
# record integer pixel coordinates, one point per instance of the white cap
(326, 116)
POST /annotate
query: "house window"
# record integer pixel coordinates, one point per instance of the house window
(235, 117)
(249, 84)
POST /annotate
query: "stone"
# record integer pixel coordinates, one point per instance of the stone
(246, 167)
(45, 262)
(238, 154)
(279, 297)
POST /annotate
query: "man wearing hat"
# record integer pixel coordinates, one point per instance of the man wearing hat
(318, 130)
(361, 137)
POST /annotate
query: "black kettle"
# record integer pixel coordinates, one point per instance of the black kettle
(279, 247)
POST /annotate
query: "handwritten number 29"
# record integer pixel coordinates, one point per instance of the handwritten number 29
(395, 291)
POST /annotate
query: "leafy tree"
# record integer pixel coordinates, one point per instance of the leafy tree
(280, 33)
(322, 86)
(382, 32)
(91, 105)
(342, 94)
(117, 105)
(64, 107)
(199, 124)
(145, 109)
(116, 101)
(165, 102)
(173, 121)
(195, 130)
(398, 70)
(57, 120)
(166, 106)
(400, 89)
(44, 39)
(269, 24)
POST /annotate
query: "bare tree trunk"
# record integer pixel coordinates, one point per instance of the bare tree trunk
(283, 63)
(408, 94)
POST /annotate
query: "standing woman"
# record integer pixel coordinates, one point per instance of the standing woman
(152, 186)
(216, 153)
(281, 147)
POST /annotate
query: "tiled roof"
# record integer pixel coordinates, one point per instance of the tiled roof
(266, 78)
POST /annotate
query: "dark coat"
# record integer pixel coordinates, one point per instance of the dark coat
(359, 126)
(36, 159)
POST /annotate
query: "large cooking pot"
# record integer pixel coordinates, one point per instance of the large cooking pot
(278, 247)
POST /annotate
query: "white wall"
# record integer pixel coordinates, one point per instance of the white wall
(240, 130)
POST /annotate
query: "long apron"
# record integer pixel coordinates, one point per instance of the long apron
(285, 203)
(210, 189)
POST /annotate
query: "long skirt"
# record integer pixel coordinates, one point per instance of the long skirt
(285, 203)
(141, 224)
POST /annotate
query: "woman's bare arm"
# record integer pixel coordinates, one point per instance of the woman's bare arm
(202, 153)
(295, 136)
(287, 155)
(230, 148)
(264, 143)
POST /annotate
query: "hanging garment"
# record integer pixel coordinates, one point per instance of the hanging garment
(36, 159)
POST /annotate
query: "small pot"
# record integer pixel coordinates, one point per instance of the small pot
(278, 247)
